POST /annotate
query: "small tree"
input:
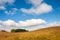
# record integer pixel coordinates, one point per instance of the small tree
(19, 30)
(2, 31)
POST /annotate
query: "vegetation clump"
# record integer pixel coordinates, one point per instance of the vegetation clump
(19, 30)
(2, 31)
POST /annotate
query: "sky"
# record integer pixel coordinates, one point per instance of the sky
(29, 14)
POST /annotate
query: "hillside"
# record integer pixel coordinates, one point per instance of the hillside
(51, 33)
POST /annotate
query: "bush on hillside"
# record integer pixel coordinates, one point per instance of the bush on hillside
(19, 30)
(2, 31)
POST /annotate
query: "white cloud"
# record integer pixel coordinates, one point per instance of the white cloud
(8, 23)
(12, 11)
(3, 2)
(27, 23)
(2, 8)
(35, 2)
(32, 22)
(30, 25)
(38, 7)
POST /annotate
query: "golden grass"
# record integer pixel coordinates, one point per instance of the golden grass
(52, 33)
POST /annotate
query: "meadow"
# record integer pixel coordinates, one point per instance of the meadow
(52, 33)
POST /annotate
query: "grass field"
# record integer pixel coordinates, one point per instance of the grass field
(52, 33)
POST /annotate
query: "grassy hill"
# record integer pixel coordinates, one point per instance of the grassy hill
(51, 33)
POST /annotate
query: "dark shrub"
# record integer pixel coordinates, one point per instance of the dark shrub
(2, 31)
(19, 30)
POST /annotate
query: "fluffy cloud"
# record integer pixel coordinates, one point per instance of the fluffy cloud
(32, 22)
(12, 11)
(38, 7)
(3, 2)
(31, 25)
(2, 8)
(8, 23)
(35, 2)
(27, 23)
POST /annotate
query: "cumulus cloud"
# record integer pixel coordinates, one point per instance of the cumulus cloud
(30, 25)
(8, 23)
(32, 22)
(12, 11)
(38, 7)
(35, 2)
(3, 2)
(27, 23)
(2, 8)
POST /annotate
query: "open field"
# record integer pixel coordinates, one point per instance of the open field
(52, 33)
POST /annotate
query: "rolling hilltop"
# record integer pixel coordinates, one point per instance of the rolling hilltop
(51, 33)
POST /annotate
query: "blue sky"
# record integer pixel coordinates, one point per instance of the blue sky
(23, 10)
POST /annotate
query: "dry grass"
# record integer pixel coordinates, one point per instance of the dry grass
(52, 33)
